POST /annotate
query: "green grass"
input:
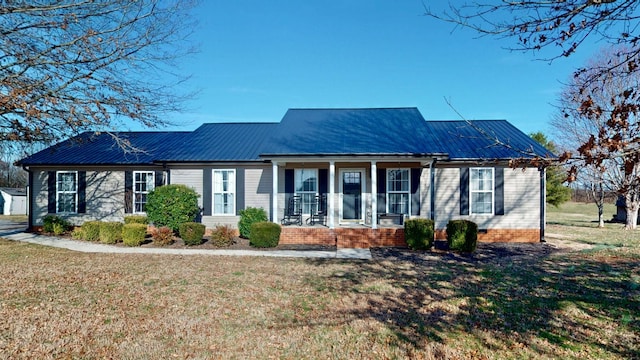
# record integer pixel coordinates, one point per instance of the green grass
(571, 305)
(579, 222)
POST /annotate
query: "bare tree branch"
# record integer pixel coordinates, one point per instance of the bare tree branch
(71, 65)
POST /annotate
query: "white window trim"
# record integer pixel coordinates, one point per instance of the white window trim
(233, 190)
(408, 192)
(491, 190)
(313, 193)
(58, 192)
(133, 198)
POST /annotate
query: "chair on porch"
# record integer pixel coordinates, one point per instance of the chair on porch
(318, 210)
(293, 211)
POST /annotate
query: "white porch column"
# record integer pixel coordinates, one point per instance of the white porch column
(274, 192)
(374, 195)
(332, 185)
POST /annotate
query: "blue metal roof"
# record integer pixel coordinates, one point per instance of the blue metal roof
(90, 148)
(303, 132)
(351, 132)
(222, 142)
(484, 139)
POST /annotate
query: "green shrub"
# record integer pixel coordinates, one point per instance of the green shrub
(172, 205)
(222, 236)
(55, 224)
(418, 233)
(136, 219)
(192, 233)
(133, 234)
(110, 232)
(462, 235)
(265, 234)
(76, 234)
(91, 230)
(248, 217)
(162, 235)
(59, 229)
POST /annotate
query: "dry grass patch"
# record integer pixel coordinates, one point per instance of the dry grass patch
(518, 301)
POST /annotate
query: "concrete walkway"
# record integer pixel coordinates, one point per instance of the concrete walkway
(90, 247)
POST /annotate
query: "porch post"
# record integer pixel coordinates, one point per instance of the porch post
(274, 192)
(374, 195)
(332, 185)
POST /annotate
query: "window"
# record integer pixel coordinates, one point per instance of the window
(481, 190)
(398, 191)
(306, 185)
(66, 191)
(224, 189)
(143, 183)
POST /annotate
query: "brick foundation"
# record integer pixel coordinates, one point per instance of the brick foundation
(500, 235)
(343, 237)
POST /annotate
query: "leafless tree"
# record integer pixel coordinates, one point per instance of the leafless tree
(68, 66)
(598, 120)
(540, 24)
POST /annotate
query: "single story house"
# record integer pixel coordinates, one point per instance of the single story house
(374, 166)
(13, 201)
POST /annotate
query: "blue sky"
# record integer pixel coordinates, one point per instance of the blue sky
(259, 58)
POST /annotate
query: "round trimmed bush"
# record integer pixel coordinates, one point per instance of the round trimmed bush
(110, 232)
(192, 233)
(462, 235)
(133, 234)
(265, 234)
(136, 219)
(91, 230)
(418, 233)
(172, 205)
(248, 217)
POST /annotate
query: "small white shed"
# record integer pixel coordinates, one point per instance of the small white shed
(13, 201)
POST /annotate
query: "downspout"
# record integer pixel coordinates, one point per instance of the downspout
(543, 202)
(432, 188)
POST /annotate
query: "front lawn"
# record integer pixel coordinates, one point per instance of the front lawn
(514, 303)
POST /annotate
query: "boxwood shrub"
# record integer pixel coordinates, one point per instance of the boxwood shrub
(110, 232)
(265, 234)
(248, 217)
(418, 233)
(136, 219)
(192, 233)
(462, 235)
(55, 224)
(91, 230)
(133, 234)
(172, 205)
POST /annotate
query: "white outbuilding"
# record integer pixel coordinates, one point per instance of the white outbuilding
(13, 201)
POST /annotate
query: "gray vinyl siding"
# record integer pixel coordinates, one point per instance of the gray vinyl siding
(253, 189)
(521, 200)
(104, 196)
(189, 177)
(257, 188)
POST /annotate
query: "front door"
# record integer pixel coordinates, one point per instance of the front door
(351, 185)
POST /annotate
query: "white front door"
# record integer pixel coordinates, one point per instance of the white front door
(351, 195)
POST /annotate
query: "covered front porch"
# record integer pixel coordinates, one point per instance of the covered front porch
(350, 202)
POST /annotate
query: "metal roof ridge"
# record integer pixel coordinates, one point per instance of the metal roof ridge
(356, 108)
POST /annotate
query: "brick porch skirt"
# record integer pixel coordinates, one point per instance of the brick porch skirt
(393, 236)
(359, 238)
